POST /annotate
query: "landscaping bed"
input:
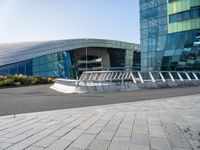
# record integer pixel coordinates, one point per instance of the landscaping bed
(23, 80)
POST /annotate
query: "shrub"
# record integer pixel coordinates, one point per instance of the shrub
(7, 82)
(23, 80)
(2, 78)
(18, 80)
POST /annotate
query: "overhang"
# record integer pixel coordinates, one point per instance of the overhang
(16, 52)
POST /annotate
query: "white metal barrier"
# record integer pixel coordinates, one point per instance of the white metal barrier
(105, 81)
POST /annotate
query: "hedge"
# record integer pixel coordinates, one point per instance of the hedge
(23, 80)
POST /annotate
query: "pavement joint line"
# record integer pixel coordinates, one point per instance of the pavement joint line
(182, 135)
(71, 130)
(13, 125)
(100, 131)
(86, 133)
(81, 134)
(115, 133)
(30, 136)
(26, 125)
(167, 135)
(132, 130)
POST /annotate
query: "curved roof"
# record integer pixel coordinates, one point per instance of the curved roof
(16, 52)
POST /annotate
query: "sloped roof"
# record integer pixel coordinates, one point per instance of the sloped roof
(16, 52)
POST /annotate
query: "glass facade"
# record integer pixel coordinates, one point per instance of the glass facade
(117, 58)
(52, 65)
(65, 58)
(65, 64)
(170, 34)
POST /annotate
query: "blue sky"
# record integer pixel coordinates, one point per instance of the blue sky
(36, 20)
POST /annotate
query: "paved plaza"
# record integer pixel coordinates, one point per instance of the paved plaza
(159, 124)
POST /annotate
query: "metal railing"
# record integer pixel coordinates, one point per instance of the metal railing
(98, 81)
(138, 76)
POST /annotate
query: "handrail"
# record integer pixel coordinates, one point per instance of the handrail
(91, 80)
(136, 76)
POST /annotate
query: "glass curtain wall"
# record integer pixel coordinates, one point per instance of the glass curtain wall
(166, 44)
(153, 29)
(52, 65)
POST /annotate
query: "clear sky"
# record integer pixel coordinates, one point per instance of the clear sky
(40, 20)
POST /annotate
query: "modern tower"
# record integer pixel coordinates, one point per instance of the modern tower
(170, 35)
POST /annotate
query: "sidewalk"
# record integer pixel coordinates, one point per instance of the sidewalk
(161, 124)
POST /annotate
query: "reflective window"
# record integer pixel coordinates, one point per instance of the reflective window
(153, 3)
(161, 2)
(178, 51)
(21, 68)
(162, 11)
(169, 53)
(159, 56)
(152, 44)
(162, 21)
(162, 30)
(161, 42)
(185, 15)
(153, 13)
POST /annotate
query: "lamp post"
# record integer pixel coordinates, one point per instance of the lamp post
(86, 53)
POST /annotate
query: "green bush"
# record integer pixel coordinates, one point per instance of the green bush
(18, 80)
(7, 82)
(23, 80)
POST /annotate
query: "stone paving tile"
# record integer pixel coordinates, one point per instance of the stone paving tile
(176, 138)
(32, 139)
(114, 123)
(30, 133)
(106, 135)
(140, 139)
(154, 121)
(138, 147)
(34, 148)
(72, 135)
(2, 133)
(124, 132)
(140, 123)
(13, 124)
(162, 124)
(119, 146)
(83, 141)
(140, 129)
(61, 132)
(4, 145)
(157, 131)
(94, 130)
(2, 139)
(60, 144)
(73, 148)
(89, 122)
(21, 131)
(158, 143)
(70, 123)
(99, 145)
(121, 139)
(45, 142)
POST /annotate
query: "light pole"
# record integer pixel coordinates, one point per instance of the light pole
(86, 53)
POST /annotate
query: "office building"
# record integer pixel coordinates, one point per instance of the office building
(66, 58)
(170, 35)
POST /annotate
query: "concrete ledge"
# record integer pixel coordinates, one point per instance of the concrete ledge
(92, 87)
(162, 85)
(172, 84)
